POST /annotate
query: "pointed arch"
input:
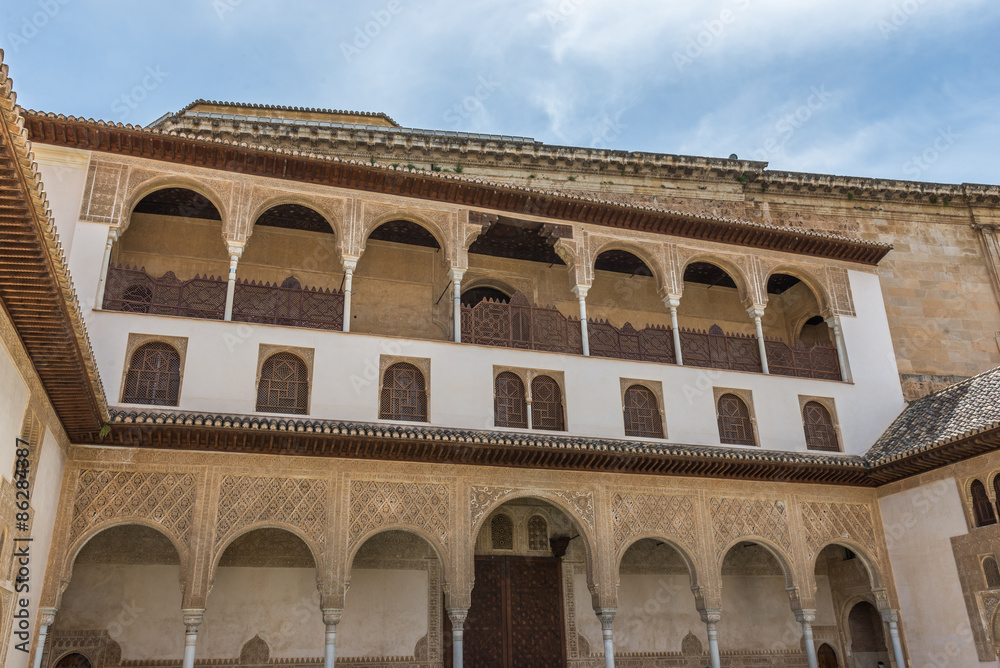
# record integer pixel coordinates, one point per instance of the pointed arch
(336, 226)
(774, 550)
(221, 547)
(694, 574)
(875, 578)
(813, 282)
(744, 285)
(653, 262)
(440, 234)
(440, 551)
(175, 181)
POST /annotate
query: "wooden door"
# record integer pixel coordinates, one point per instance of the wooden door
(516, 616)
(827, 658)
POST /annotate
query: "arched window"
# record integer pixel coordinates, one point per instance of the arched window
(154, 376)
(820, 433)
(538, 534)
(734, 421)
(991, 572)
(642, 413)
(981, 506)
(546, 405)
(284, 385)
(404, 394)
(510, 408)
(502, 533)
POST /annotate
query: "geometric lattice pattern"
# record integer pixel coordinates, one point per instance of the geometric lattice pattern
(165, 498)
(827, 521)
(244, 500)
(376, 503)
(736, 518)
(669, 516)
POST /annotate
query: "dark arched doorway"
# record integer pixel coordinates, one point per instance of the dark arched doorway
(75, 660)
(826, 657)
(867, 637)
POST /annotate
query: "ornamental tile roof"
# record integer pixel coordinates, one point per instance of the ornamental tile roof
(966, 409)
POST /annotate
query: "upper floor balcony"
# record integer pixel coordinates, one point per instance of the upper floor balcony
(523, 285)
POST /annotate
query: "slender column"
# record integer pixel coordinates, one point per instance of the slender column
(757, 312)
(457, 617)
(838, 338)
(892, 618)
(456, 281)
(105, 265)
(192, 620)
(711, 619)
(350, 264)
(806, 619)
(607, 617)
(331, 617)
(235, 251)
(672, 302)
(48, 616)
(581, 294)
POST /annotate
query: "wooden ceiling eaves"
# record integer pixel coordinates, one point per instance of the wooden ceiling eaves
(378, 178)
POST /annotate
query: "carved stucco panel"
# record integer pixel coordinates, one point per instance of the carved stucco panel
(246, 500)
(669, 516)
(824, 522)
(737, 518)
(103, 193)
(374, 504)
(105, 496)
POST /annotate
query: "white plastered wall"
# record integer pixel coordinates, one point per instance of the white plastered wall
(919, 524)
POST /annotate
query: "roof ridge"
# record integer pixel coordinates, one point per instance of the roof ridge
(801, 232)
(281, 107)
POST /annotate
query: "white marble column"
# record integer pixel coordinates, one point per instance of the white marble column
(192, 620)
(891, 617)
(833, 322)
(350, 264)
(607, 617)
(235, 252)
(331, 617)
(105, 265)
(456, 281)
(711, 619)
(672, 302)
(757, 312)
(581, 295)
(806, 619)
(48, 617)
(457, 617)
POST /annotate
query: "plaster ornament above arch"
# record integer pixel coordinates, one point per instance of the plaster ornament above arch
(734, 519)
(643, 514)
(375, 504)
(262, 199)
(294, 503)
(827, 523)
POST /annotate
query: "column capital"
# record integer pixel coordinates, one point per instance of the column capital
(457, 617)
(805, 616)
(48, 615)
(456, 273)
(672, 301)
(580, 290)
(890, 616)
(607, 617)
(192, 618)
(755, 311)
(113, 233)
(711, 616)
(350, 262)
(235, 247)
(331, 616)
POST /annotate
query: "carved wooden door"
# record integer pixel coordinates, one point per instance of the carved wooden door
(826, 657)
(516, 618)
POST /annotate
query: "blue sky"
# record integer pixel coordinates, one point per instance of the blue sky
(906, 89)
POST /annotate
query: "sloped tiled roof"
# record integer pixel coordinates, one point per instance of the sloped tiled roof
(280, 107)
(966, 409)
